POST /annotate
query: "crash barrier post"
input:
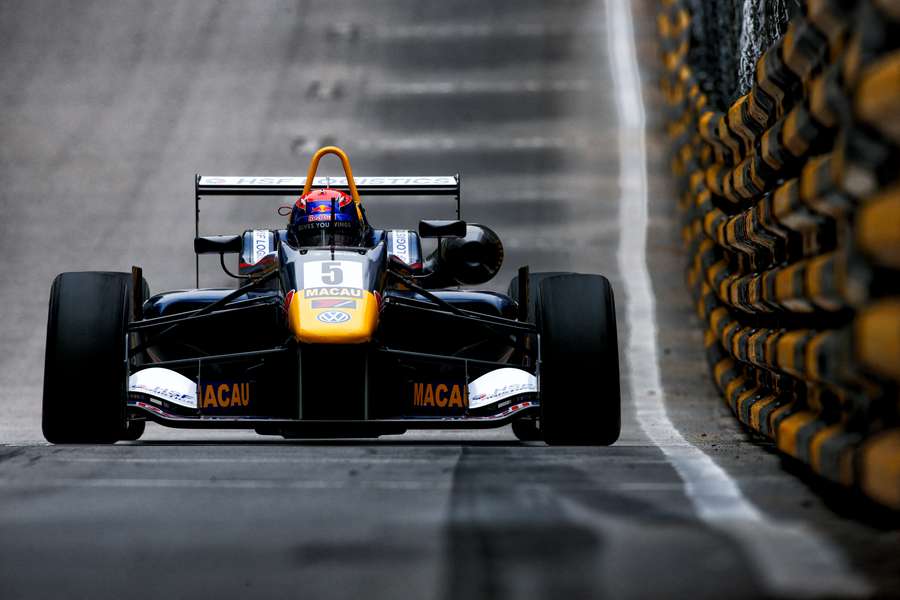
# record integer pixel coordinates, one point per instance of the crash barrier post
(790, 199)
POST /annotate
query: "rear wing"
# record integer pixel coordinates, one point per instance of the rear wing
(293, 186)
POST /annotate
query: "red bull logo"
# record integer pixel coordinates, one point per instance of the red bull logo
(325, 203)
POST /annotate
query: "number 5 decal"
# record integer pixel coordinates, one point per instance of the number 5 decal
(332, 273)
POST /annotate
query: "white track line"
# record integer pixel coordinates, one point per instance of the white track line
(463, 31)
(792, 559)
(479, 86)
(473, 143)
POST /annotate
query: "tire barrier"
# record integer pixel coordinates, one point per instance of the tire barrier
(790, 199)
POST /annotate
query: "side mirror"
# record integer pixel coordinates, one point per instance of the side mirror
(218, 244)
(442, 229)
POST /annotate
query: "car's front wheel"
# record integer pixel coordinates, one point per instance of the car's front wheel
(84, 365)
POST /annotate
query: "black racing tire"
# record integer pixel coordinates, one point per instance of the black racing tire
(534, 283)
(133, 431)
(84, 363)
(579, 374)
(526, 430)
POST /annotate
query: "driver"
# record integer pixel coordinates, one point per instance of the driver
(312, 223)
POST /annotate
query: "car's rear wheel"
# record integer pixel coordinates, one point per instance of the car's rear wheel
(84, 368)
(534, 283)
(527, 430)
(133, 431)
(579, 375)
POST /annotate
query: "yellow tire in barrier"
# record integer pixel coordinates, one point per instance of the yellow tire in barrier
(877, 338)
(877, 227)
(876, 101)
(880, 466)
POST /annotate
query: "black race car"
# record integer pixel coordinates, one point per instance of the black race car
(332, 340)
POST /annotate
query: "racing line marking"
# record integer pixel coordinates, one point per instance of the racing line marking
(791, 558)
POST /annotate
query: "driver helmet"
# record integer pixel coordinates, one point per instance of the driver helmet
(312, 222)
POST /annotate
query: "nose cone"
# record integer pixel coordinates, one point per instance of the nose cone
(333, 316)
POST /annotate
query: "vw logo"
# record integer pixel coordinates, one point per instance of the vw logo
(333, 316)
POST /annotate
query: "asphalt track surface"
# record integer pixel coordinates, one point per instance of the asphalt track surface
(109, 108)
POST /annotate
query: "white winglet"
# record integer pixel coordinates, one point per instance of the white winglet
(500, 384)
(166, 385)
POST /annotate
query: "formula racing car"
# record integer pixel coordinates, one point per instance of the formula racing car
(335, 329)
